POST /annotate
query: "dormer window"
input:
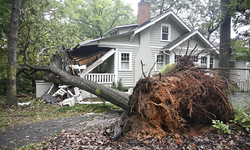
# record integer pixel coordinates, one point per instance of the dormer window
(114, 33)
(165, 32)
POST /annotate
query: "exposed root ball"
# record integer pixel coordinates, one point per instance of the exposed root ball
(183, 96)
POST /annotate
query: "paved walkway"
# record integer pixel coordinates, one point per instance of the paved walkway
(18, 136)
(240, 98)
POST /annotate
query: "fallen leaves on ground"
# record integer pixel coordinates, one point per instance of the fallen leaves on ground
(101, 139)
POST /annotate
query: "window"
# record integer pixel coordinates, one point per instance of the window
(165, 32)
(211, 62)
(125, 61)
(204, 61)
(177, 58)
(159, 61)
(114, 33)
(194, 58)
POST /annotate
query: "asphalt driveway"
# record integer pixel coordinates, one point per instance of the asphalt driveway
(18, 136)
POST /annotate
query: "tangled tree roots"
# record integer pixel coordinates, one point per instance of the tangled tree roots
(183, 96)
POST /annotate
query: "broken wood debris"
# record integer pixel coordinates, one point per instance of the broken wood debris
(59, 97)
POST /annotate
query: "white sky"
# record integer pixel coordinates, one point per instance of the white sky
(134, 4)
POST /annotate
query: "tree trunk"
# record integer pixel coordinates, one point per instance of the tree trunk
(225, 31)
(12, 46)
(116, 97)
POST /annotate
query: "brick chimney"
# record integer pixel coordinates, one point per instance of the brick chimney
(143, 12)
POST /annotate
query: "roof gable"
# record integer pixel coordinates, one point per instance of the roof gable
(152, 21)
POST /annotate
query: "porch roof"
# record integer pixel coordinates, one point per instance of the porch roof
(87, 55)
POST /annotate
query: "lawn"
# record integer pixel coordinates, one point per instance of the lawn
(38, 111)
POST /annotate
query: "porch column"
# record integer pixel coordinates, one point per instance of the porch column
(116, 65)
(208, 61)
(171, 57)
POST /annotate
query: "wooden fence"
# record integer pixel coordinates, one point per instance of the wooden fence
(242, 84)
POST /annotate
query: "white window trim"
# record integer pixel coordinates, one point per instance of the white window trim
(130, 61)
(169, 30)
(213, 61)
(156, 60)
(207, 63)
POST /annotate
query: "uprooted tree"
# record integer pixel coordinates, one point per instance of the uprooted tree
(183, 96)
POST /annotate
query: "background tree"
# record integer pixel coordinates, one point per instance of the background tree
(159, 7)
(207, 17)
(5, 14)
(12, 46)
(240, 11)
(241, 50)
(241, 16)
(225, 38)
(42, 32)
(97, 16)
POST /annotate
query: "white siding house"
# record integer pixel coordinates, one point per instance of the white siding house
(155, 40)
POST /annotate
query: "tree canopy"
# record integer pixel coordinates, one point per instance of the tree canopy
(241, 50)
(241, 16)
(97, 16)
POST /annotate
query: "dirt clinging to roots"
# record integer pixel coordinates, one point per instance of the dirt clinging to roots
(180, 98)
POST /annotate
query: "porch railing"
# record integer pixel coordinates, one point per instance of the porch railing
(100, 77)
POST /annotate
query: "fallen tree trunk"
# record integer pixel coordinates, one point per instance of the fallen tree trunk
(116, 97)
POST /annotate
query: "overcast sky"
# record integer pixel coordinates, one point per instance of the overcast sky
(134, 4)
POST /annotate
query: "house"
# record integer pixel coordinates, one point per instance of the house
(160, 39)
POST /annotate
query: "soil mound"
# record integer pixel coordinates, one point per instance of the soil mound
(172, 102)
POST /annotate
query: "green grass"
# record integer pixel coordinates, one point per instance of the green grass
(39, 111)
(97, 108)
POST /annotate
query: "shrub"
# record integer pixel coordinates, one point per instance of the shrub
(220, 127)
(119, 86)
(243, 121)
